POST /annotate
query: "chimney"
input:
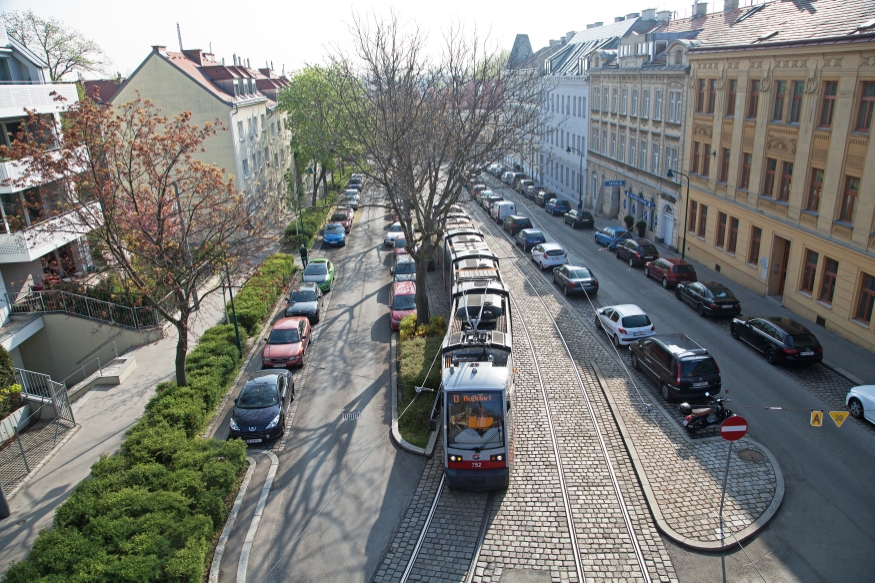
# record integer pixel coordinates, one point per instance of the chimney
(589, 26)
(663, 15)
(700, 9)
(648, 14)
(194, 55)
(729, 5)
(570, 34)
(554, 42)
(619, 18)
(562, 40)
(160, 49)
(597, 24)
(247, 63)
(632, 15)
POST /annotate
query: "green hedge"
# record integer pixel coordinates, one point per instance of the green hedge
(311, 222)
(258, 297)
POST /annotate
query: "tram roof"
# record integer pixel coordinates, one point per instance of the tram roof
(483, 338)
(475, 376)
(480, 286)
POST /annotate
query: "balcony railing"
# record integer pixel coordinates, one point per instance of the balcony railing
(15, 98)
(43, 237)
(53, 301)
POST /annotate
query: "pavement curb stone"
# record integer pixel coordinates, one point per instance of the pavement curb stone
(428, 450)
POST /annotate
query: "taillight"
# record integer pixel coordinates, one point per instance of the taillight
(545, 255)
(713, 306)
(595, 282)
(820, 350)
(638, 256)
(621, 331)
(791, 351)
(737, 306)
(653, 328)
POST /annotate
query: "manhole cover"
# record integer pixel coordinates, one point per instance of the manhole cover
(340, 306)
(351, 415)
(20, 522)
(750, 455)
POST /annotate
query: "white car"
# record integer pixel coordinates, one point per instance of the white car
(861, 402)
(395, 231)
(549, 255)
(624, 324)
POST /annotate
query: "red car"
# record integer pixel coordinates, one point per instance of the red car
(287, 343)
(400, 247)
(402, 302)
(343, 217)
(670, 271)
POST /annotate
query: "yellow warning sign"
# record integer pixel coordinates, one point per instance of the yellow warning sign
(817, 418)
(839, 417)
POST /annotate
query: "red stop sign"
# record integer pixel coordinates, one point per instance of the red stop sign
(733, 428)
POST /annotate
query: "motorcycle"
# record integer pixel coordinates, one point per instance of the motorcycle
(696, 420)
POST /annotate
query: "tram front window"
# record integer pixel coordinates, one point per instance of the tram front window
(475, 421)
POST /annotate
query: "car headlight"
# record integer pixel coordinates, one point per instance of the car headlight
(273, 422)
(234, 425)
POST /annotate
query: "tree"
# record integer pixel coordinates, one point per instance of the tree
(422, 124)
(162, 219)
(64, 49)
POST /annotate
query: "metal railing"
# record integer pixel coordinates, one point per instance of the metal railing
(49, 301)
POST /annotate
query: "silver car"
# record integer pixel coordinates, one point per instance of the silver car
(549, 255)
(624, 324)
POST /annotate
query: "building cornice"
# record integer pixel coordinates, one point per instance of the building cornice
(840, 40)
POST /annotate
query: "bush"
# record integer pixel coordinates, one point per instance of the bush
(310, 223)
(437, 326)
(260, 293)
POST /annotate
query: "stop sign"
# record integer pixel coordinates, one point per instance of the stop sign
(733, 428)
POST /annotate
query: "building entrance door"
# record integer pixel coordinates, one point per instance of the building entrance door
(666, 225)
(779, 260)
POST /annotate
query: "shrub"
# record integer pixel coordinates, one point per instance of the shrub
(262, 290)
(437, 326)
(305, 229)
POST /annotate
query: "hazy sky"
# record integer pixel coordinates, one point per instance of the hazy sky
(293, 33)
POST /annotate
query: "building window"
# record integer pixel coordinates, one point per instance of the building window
(643, 161)
(706, 160)
(645, 103)
(625, 101)
(866, 301)
(769, 182)
(796, 101)
(654, 163)
(622, 150)
(671, 105)
(730, 97)
(263, 124)
(849, 199)
(808, 271)
(657, 105)
(697, 153)
(691, 219)
(634, 111)
(604, 142)
(613, 145)
(830, 88)
(812, 203)
(703, 220)
(753, 99)
(867, 104)
(671, 158)
(712, 94)
(605, 98)
(733, 235)
(780, 97)
(700, 97)
(240, 131)
(614, 100)
(746, 159)
(596, 98)
(721, 230)
(633, 146)
(724, 166)
(246, 168)
(786, 177)
(594, 140)
(828, 283)
(756, 235)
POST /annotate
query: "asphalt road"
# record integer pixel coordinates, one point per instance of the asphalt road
(825, 530)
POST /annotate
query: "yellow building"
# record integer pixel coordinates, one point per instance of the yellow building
(780, 160)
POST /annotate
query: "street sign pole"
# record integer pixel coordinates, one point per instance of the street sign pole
(731, 429)
(723, 495)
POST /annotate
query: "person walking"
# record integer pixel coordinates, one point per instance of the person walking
(305, 256)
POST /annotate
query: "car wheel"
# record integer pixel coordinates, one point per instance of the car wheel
(617, 341)
(598, 323)
(700, 309)
(618, 255)
(733, 331)
(631, 262)
(666, 393)
(771, 356)
(677, 293)
(646, 273)
(635, 362)
(665, 283)
(856, 408)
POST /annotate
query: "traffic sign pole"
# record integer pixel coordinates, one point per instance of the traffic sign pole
(731, 430)
(723, 495)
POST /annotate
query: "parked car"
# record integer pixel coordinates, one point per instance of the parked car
(342, 217)
(531, 191)
(611, 236)
(528, 238)
(260, 410)
(624, 323)
(549, 255)
(521, 185)
(404, 268)
(679, 364)
(489, 199)
(861, 402)
(579, 218)
(400, 246)
(543, 196)
(402, 302)
(395, 231)
(576, 279)
(320, 271)
(557, 206)
(287, 343)
(334, 235)
(477, 189)
(513, 223)
(501, 209)
(710, 298)
(780, 339)
(670, 271)
(507, 177)
(352, 198)
(637, 251)
(305, 299)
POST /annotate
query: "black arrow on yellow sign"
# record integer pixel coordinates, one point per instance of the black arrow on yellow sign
(817, 418)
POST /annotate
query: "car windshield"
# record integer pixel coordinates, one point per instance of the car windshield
(636, 321)
(395, 229)
(400, 243)
(579, 273)
(404, 303)
(649, 249)
(803, 340)
(698, 368)
(475, 421)
(338, 217)
(334, 228)
(303, 295)
(405, 267)
(257, 396)
(721, 293)
(283, 336)
(316, 269)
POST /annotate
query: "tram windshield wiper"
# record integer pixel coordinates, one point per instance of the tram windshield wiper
(496, 434)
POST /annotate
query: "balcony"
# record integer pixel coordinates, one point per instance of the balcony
(14, 98)
(41, 238)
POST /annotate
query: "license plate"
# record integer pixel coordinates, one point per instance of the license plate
(278, 365)
(648, 257)
(253, 441)
(700, 384)
(686, 422)
(639, 333)
(726, 306)
(806, 353)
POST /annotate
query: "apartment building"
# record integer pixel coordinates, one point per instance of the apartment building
(779, 152)
(255, 147)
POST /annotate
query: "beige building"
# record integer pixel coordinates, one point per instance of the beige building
(780, 158)
(255, 147)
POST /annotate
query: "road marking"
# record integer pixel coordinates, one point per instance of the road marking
(243, 565)
(229, 524)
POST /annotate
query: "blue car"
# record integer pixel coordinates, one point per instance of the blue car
(528, 238)
(334, 235)
(557, 206)
(610, 236)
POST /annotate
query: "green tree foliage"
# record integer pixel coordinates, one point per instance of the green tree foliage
(7, 372)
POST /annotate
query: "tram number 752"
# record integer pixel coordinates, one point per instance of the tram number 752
(476, 465)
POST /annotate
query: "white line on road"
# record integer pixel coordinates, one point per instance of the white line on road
(256, 519)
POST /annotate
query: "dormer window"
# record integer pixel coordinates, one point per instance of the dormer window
(678, 57)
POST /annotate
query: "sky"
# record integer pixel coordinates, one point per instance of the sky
(293, 33)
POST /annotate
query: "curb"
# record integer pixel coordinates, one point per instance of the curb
(44, 461)
(428, 450)
(842, 372)
(216, 565)
(658, 517)
(243, 565)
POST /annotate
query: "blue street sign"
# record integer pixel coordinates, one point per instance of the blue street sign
(615, 183)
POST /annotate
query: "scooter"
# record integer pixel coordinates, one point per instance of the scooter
(696, 420)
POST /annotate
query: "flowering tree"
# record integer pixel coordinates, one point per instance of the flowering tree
(162, 219)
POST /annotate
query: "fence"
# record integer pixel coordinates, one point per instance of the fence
(70, 303)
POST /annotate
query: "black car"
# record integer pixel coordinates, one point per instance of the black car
(574, 279)
(513, 223)
(578, 218)
(779, 339)
(543, 197)
(681, 366)
(305, 300)
(710, 298)
(260, 409)
(637, 251)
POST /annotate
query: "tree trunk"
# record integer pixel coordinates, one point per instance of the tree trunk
(422, 315)
(181, 351)
(315, 187)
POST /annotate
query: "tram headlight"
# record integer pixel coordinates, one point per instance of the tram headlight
(497, 458)
(455, 458)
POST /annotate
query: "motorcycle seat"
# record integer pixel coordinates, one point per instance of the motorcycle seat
(702, 412)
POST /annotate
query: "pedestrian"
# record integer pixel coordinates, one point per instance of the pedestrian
(305, 256)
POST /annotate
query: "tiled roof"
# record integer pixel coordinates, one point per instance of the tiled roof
(205, 74)
(101, 90)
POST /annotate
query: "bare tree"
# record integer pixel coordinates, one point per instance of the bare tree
(64, 49)
(421, 124)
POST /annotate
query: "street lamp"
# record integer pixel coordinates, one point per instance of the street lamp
(568, 150)
(670, 176)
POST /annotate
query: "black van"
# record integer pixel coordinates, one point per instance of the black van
(682, 368)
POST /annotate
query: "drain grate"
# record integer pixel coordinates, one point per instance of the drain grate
(340, 306)
(750, 455)
(351, 415)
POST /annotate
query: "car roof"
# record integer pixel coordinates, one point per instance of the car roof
(551, 246)
(681, 343)
(713, 284)
(532, 232)
(515, 217)
(311, 285)
(404, 259)
(404, 288)
(265, 374)
(642, 241)
(679, 261)
(569, 266)
(788, 325)
(290, 322)
(628, 309)
(319, 260)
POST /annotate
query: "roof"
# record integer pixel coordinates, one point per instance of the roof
(521, 51)
(101, 90)
(567, 60)
(475, 376)
(627, 309)
(404, 288)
